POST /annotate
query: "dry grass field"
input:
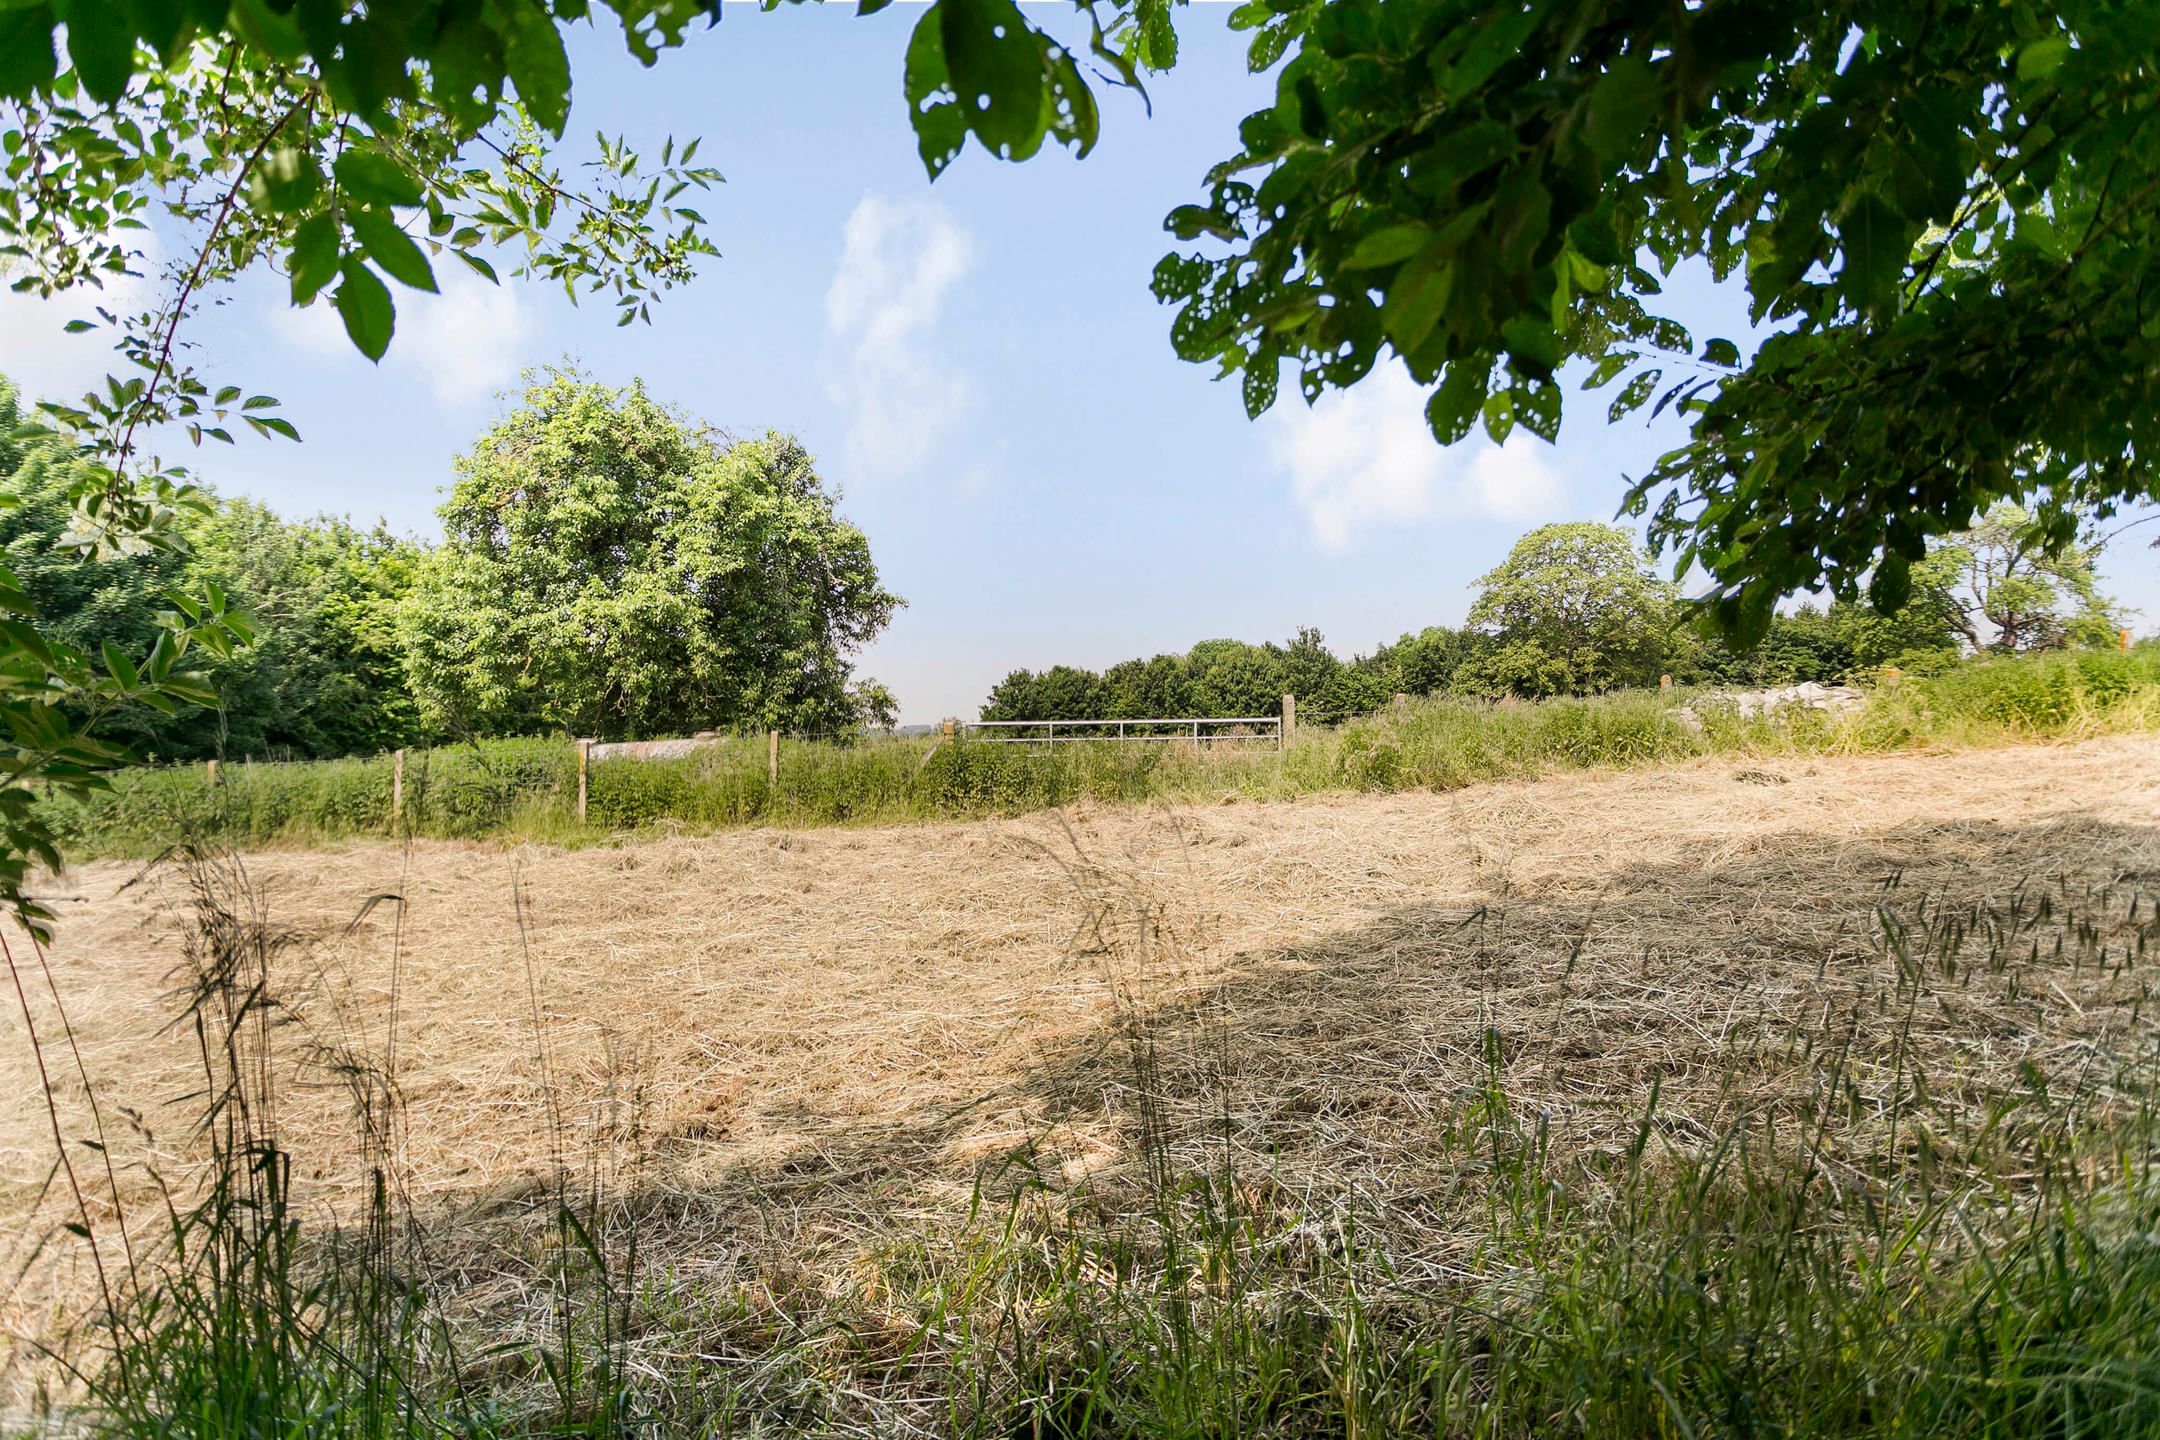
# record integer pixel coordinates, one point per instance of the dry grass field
(786, 1051)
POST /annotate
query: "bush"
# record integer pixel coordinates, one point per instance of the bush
(2046, 693)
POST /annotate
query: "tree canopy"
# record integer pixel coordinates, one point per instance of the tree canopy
(1947, 215)
(1573, 609)
(323, 674)
(616, 570)
(2001, 587)
(1944, 215)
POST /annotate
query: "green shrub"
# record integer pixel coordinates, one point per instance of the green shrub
(2045, 693)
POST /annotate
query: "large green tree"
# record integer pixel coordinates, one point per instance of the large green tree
(1574, 609)
(614, 569)
(350, 146)
(2001, 587)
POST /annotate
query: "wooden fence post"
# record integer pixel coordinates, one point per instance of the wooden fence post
(397, 786)
(772, 757)
(1664, 682)
(210, 773)
(1287, 730)
(584, 769)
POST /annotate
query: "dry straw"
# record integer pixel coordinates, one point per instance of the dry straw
(830, 1035)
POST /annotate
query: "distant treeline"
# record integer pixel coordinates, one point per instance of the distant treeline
(1233, 677)
(1577, 610)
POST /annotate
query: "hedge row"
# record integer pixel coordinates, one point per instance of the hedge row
(530, 786)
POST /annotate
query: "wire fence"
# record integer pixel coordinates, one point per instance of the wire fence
(1197, 730)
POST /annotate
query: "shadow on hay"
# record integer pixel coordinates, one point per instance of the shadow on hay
(1712, 987)
(1336, 1072)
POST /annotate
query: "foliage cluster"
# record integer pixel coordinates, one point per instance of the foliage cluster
(348, 147)
(1946, 220)
(529, 786)
(609, 569)
(323, 675)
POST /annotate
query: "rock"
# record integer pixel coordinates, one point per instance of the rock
(1751, 704)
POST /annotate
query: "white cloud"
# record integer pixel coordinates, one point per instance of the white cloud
(1362, 459)
(38, 354)
(465, 343)
(900, 260)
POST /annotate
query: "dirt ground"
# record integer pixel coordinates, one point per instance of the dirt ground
(831, 1033)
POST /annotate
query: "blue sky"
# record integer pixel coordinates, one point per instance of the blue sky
(977, 364)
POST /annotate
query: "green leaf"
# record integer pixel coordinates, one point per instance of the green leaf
(288, 181)
(538, 64)
(1623, 103)
(1876, 241)
(1493, 43)
(862, 8)
(1454, 406)
(940, 128)
(1522, 213)
(101, 46)
(314, 257)
(1721, 352)
(1537, 406)
(1532, 345)
(20, 637)
(271, 26)
(1416, 300)
(995, 68)
(28, 61)
(371, 177)
(1389, 245)
(1607, 367)
(1634, 394)
(2043, 57)
(1500, 415)
(119, 666)
(1069, 110)
(1190, 222)
(1263, 373)
(364, 301)
(392, 249)
(192, 687)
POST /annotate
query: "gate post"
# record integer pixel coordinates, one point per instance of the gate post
(1286, 729)
(584, 768)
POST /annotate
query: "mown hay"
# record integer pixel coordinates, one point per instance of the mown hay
(802, 1045)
